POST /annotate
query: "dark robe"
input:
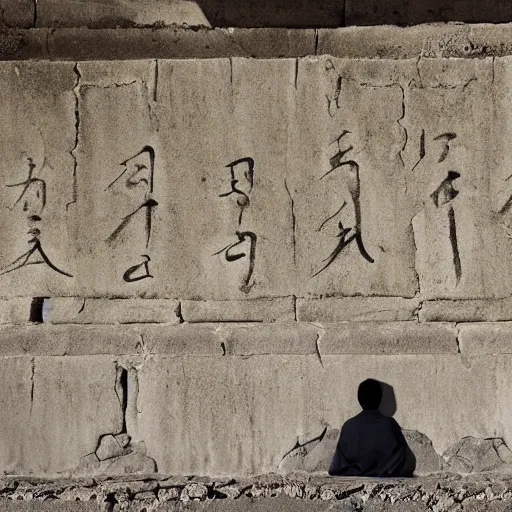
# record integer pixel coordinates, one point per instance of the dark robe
(370, 444)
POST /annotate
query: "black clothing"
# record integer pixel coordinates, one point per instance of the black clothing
(370, 444)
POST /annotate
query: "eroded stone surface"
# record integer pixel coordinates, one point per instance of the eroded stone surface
(398, 12)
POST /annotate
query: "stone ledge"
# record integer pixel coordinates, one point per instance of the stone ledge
(176, 43)
(485, 338)
(293, 338)
(300, 492)
(381, 42)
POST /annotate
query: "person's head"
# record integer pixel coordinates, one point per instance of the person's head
(369, 394)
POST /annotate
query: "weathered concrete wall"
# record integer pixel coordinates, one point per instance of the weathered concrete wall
(231, 245)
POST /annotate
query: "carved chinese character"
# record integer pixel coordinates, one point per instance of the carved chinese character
(137, 178)
(242, 182)
(32, 199)
(347, 233)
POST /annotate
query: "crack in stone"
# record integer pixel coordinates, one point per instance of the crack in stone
(294, 222)
(402, 127)
(32, 375)
(76, 92)
(317, 348)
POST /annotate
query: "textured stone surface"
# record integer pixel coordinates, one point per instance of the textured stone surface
(108, 448)
(259, 310)
(74, 310)
(363, 309)
(426, 459)
(448, 181)
(269, 493)
(361, 223)
(329, 183)
(62, 340)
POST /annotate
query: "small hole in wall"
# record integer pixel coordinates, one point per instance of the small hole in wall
(47, 309)
(40, 309)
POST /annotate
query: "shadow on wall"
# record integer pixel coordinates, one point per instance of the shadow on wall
(388, 407)
(273, 13)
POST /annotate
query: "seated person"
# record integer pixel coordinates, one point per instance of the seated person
(370, 444)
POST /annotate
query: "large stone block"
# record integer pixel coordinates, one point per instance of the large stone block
(68, 340)
(454, 226)
(360, 309)
(118, 13)
(15, 311)
(228, 168)
(75, 310)
(24, 44)
(490, 310)
(61, 408)
(36, 178)
(16, 397)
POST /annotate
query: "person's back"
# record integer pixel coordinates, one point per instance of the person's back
(370, 444)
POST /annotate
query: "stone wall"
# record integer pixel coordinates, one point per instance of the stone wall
(222, 247)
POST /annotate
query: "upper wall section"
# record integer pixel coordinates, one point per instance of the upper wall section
(308, 177)
(246, 13)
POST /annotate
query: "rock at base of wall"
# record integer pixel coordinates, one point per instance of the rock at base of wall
(472, 455)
